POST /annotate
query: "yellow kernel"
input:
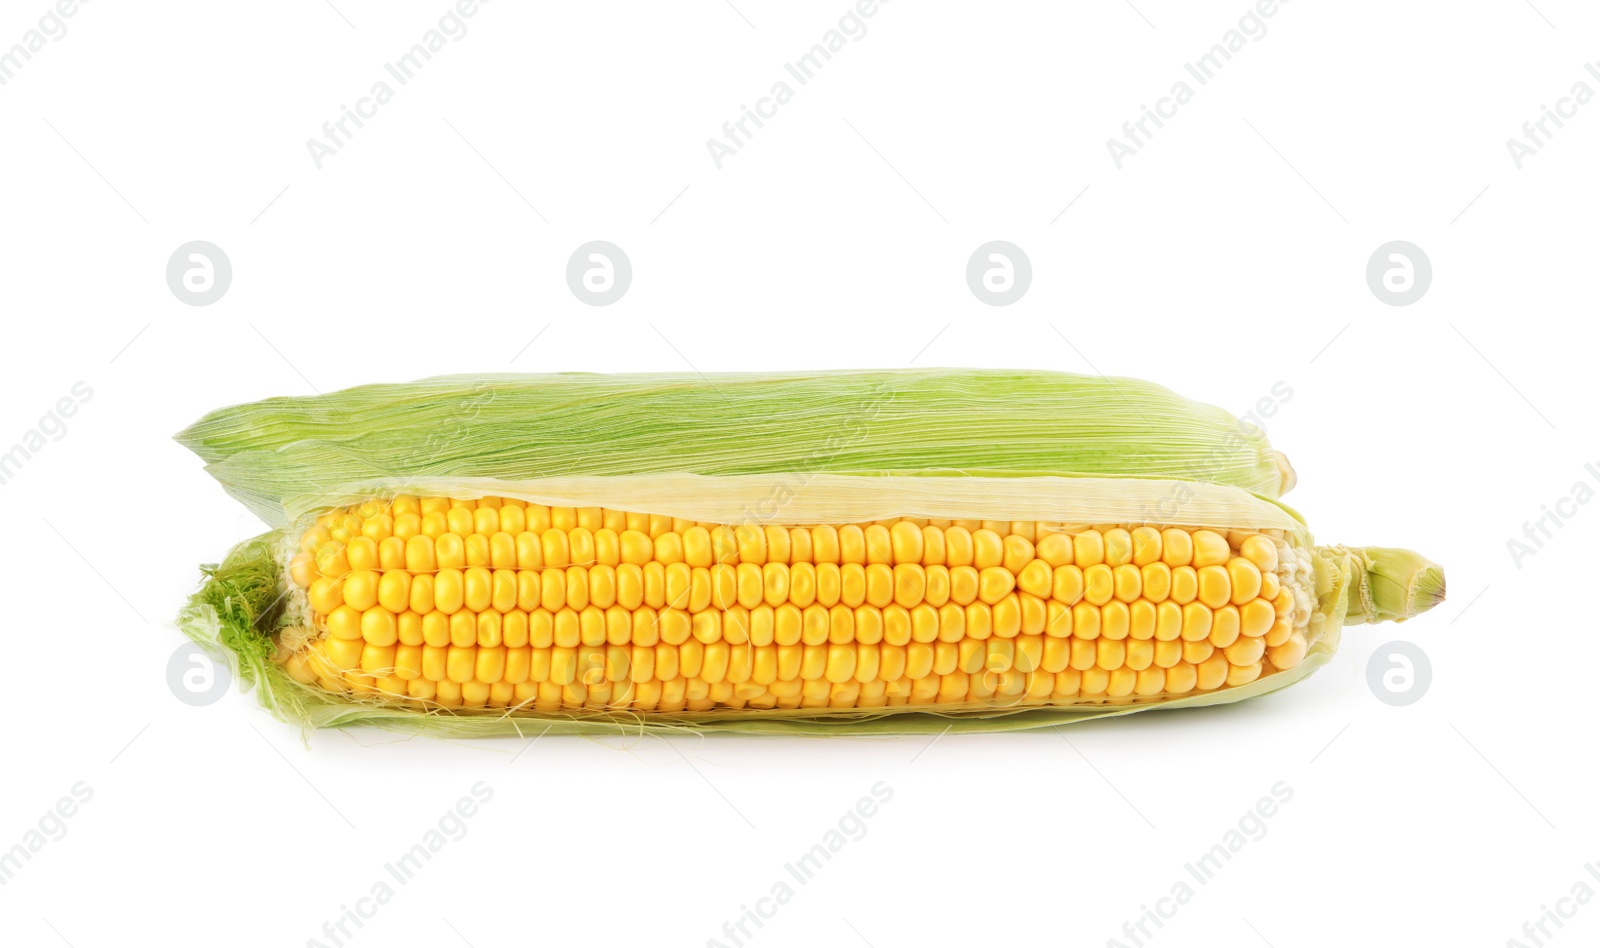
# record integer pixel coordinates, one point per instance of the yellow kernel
(1156, 581)
(556, 547)
(905, 540)
(1036, 579)
(910, 583)
(491, 663)
(963, 585)
(1146, 546)
(841, 665)
(752, 540)
(1127, 582)
(1069, 584)
(879, 584)
(1210, 549)
(362, 553)
(706, 626)
(1245, 579)
(1150, 681)
(750, 592)
(461, 662)
(715, 666)
(1279, 633)
(1243, 674)
(477, 548)
(378, 660)
(331, 560)
(868, 625)
(463, 629)
(1055, 549)
(1289, 653)
(1141, 653)
(502, 551)
(1196, 622)
(1261, 551)
(1256, 618)
(553, 589)
(879, 545)
(896, 625)
(1017, 553)
(1085, 621)
(450, 551)
(675, 626)
(1110, 654)
(1181, 679)
(1114, 620)
(1225, 624)
(952, 622)
(1121, 682)
(392, 553)
(669, 548)
(1098, 584)
(1058, 619)
(513, 629)
(697, 547)
(841, 624)
(995, 583)
(344, 622)
(530, 550)
(1177, 547)
(378, 626)
(489, 629)
(680, 581)
(326, 595)
(1214, 587)
(1007, 616)
(302, 569)
(436, 629)
(477, 591)
(813, 662)
(580, 547)
(937, 592)
(1088, 548)
(1119, 547)
(1141, 619)
(958, 547)
(1185, 585)
(486, 520)
(1169, 620)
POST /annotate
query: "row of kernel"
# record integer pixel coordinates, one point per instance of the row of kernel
(496, 536)
(696, 589)
(437, 622)
(985, 689)
(718, 661)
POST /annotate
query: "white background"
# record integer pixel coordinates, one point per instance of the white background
(1229, 254)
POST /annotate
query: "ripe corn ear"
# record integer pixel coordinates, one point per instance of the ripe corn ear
(791, 601)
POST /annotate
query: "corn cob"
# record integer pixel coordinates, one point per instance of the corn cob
(494, 603)
(785, 600)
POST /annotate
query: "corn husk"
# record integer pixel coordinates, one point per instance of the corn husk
(927, 422)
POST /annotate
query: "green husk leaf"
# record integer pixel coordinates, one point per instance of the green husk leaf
(924, 421)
